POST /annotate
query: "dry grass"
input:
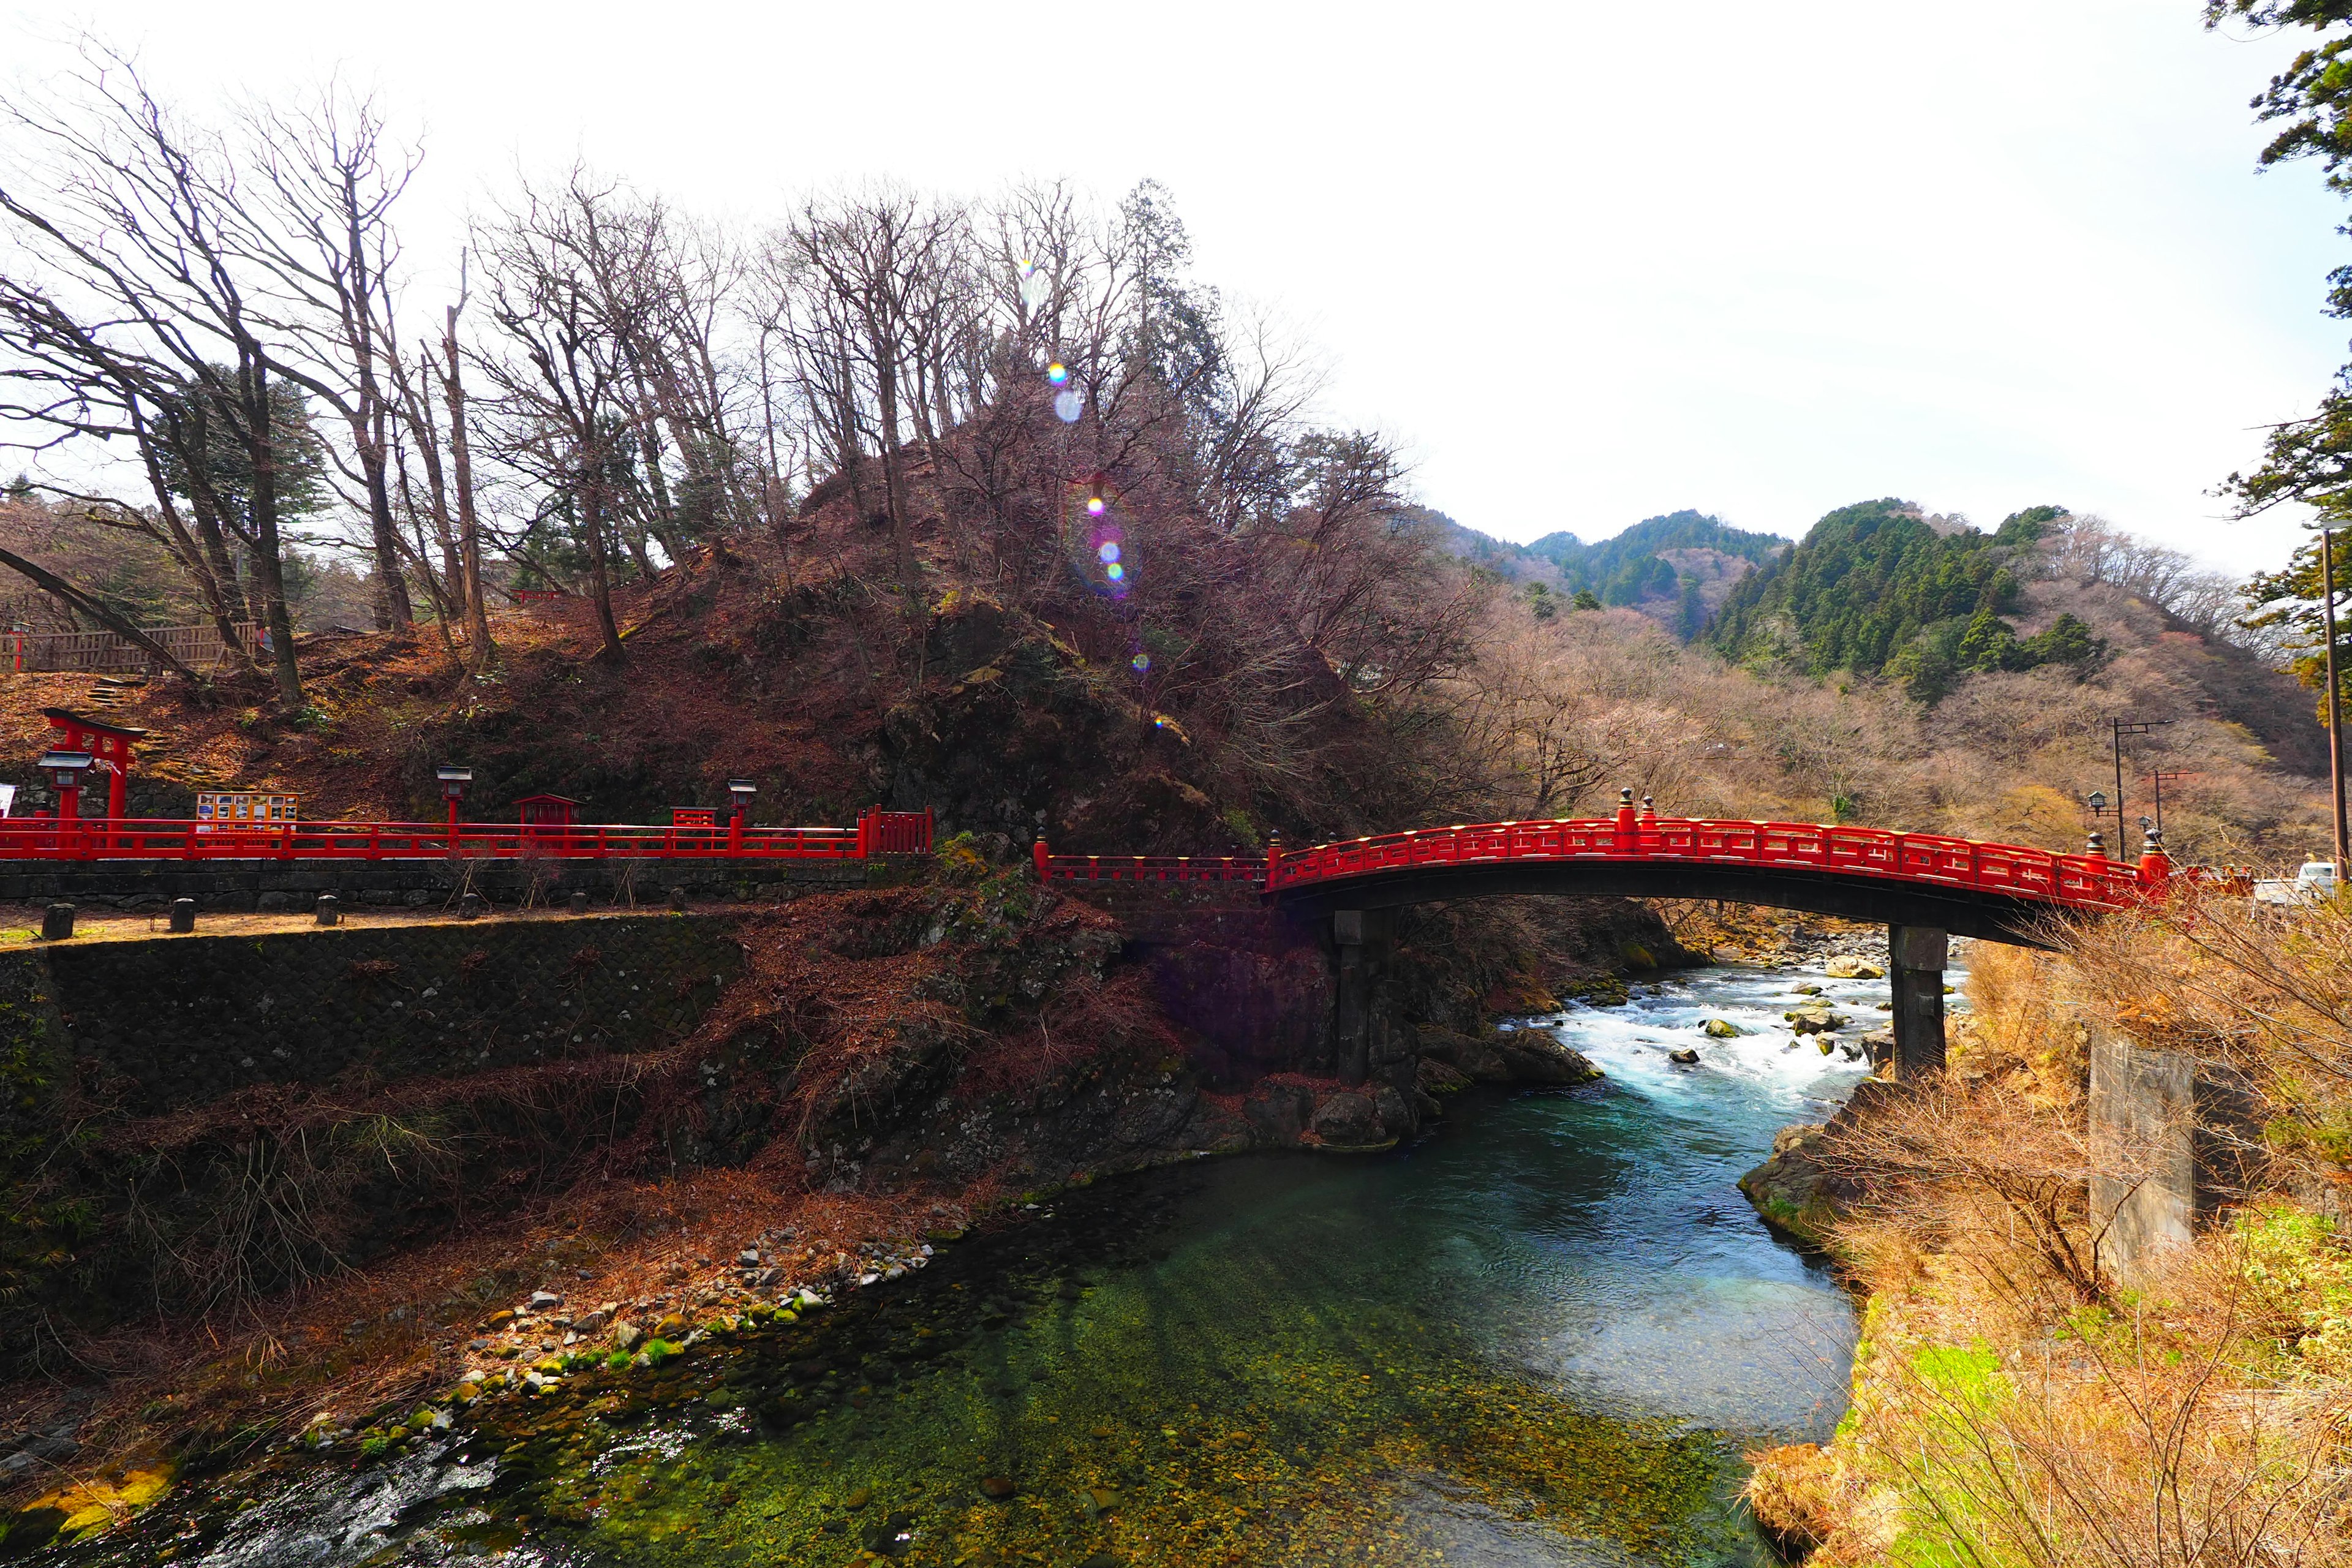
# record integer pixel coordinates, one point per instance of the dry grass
(2013, 1405)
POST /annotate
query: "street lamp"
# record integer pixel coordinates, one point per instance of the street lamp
(66, 771)
(739, 794)
(453, 790)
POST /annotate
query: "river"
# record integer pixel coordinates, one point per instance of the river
(1541, 1336)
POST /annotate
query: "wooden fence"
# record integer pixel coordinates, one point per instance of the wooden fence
(198, 647)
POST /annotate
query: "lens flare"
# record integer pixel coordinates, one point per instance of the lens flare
(1094, 506)
(1057, 373)
(1068, 406)
(1109, 550)
(1141, 663)
(1115, 571)
(1036, 286)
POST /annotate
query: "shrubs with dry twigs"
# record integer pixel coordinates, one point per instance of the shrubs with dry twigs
(2015, 1402)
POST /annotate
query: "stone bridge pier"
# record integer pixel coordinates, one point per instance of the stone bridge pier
(1917, 957)
(1361, 941)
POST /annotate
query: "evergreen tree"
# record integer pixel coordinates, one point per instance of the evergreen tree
(1869, 580)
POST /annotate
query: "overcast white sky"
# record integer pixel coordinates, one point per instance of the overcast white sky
(1588, 263)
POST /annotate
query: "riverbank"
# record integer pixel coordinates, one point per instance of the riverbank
(882, 1069)
(1546, 1331)
(2019, 1394)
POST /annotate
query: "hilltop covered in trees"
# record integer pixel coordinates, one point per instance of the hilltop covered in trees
(1676, 569)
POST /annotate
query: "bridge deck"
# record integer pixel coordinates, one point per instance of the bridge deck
(1981, 888)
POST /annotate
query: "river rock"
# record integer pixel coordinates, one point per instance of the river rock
(1846, 966)
(1790, 1189)
(997, 1487)
(1435, 1076)
(1685, 1058)
(1722, 1029)
(1277, 1113)
(1348, 1120)
(626, 1336)
(1532, 1056)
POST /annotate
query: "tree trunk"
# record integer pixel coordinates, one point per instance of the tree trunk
(600, 578)
(261, 445)
(902, 536)
(392, 587)
(470, 531)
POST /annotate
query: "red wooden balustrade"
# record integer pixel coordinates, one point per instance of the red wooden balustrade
(2087, 881)
(877, 833)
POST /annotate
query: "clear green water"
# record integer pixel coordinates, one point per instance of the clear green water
(1543, 1335)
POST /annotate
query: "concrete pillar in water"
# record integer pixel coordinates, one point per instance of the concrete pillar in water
(1916, 956)
(1360, 940)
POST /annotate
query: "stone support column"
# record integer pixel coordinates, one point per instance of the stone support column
(1916, 956)
(1360, 940)
(2169, 1137)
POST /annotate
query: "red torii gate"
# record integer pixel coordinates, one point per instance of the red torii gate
(108, 745)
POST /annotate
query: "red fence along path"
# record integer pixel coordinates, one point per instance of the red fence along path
(2039, 876)
(877, 833)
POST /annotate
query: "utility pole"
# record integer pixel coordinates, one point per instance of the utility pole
(2334, 699)
(2122, 727)
(2159, 778)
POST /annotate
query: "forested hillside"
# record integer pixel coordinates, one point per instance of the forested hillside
(1676, 569)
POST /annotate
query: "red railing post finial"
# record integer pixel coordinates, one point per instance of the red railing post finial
(1627, 825)
(1039, 853)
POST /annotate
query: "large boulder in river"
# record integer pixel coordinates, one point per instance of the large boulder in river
(1348, 1120)
(1435, 1076)
(1533, 1056)
(1796, 1190)
(1516, 1055)
(1845, 966)
(1790, 1190)
(1277, 1109)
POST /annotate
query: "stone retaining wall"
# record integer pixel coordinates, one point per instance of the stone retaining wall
(265, 885)
(181, 1112)
(172, 1022)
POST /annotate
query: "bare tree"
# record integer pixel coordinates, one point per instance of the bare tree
(565, 297)
(131, 276)
(318, 229)
(870, 274)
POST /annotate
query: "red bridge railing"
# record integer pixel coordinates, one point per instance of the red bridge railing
(877, 833)
(2038, 875)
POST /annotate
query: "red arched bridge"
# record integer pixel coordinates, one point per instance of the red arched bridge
(1924, 886)
(2001, 892)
